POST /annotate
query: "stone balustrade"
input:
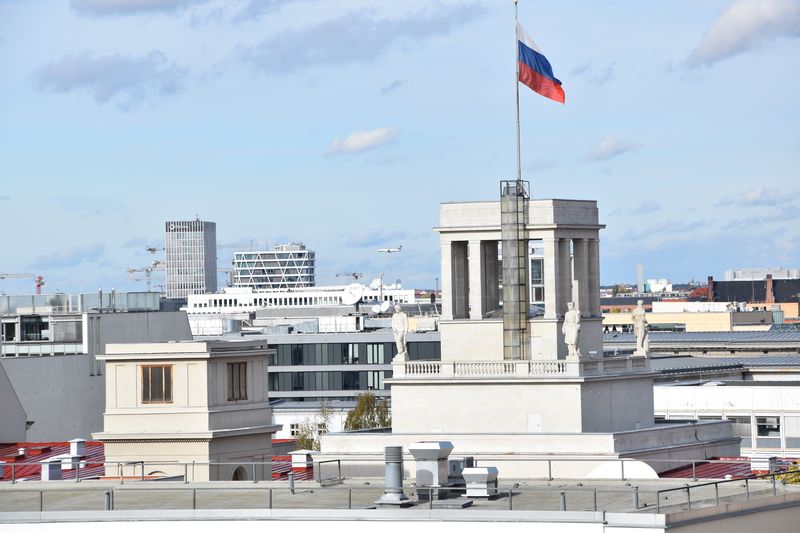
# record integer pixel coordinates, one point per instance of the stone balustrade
(524, 369)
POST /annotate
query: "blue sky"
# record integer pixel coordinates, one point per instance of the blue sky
(344, 124)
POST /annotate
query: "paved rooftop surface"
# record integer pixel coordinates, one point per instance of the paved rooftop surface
(612, 496)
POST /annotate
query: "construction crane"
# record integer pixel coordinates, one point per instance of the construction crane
(38, 280)
(229, 272)
(147, 271)
(354, 275)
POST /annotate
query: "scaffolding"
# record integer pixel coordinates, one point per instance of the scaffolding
(513, 200)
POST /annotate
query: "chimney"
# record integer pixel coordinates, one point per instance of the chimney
(770, 296)
(77, 447)
(710, 288)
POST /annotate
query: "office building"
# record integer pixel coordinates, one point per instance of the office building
(191, 258)
(286, 266)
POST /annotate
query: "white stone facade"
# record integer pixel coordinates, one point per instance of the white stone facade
(188, 402)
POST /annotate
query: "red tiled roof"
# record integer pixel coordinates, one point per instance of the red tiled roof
(29, 467)
(282, 465)
(738, 467)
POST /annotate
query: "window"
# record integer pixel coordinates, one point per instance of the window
(157, 384)
(237, 381)
(741, 428)
(768, 432)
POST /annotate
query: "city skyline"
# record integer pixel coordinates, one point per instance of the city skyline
(344, 126)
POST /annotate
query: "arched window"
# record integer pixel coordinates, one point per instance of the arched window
(240, 474)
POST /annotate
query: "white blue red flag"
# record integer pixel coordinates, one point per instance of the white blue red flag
(535, 70)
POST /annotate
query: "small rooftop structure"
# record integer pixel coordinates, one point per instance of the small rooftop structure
(188, 401)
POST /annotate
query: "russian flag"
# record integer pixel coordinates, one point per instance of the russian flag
(535, 70)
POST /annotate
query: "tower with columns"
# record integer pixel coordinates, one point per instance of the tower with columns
(470, 237)
(533, 400)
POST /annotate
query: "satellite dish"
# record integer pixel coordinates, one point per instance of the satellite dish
(352, 294)
(375, 284)
(376, 309)
(385, 306)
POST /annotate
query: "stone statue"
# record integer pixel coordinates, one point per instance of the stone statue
(400, 329)
(640, 330)
(571, 330)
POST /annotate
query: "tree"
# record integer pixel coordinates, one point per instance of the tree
(311, 428)
(369, 412)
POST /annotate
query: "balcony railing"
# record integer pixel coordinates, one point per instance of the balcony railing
(511, 369)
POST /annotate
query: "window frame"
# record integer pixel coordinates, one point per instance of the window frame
(237, 374)
(148, 370)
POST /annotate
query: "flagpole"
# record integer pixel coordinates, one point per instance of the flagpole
(516, 85)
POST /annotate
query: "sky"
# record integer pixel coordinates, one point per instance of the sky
(345, 124)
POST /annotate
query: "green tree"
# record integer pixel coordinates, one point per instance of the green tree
(311, 428)
(369, 412)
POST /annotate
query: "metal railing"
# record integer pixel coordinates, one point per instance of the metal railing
(772, 476)
(248, 496)
(86, 468)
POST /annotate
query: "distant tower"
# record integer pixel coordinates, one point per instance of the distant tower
(191, 258)
(639, 277)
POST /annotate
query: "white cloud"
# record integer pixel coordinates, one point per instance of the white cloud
(611, 147)
(71, 257)
(362, 140)
(744, 25)
(354, 37)
(758, 197)
(129, 7)
(126, 80)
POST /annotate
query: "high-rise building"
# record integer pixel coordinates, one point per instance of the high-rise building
(286, 266)
(191, 258)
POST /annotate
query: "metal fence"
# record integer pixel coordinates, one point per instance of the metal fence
(327, 491)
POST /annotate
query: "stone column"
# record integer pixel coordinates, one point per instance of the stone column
(490, 270)
(553, 299)
(565, 274)
(459, 272)
(594, 277)
(446, 252)
(581, 269)
(475, 267)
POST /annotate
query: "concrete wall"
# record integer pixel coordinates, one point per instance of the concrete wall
(59, 394)
(500, 407)
(617, 405)
(526, 455)
(12, 415)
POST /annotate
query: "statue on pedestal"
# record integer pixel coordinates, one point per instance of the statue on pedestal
(571, 330)
(640, 330)
(400, 329)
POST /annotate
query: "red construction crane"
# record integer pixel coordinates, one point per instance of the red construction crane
(38, 280)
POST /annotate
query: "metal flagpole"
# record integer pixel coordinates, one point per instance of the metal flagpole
(516, 85)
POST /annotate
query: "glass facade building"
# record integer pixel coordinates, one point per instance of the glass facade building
(329, 370)
(191, 258)
(286, 266)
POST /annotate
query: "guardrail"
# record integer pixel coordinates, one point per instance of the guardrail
(639, 499)
(494, 369)
(86, 468)
(716, 484)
